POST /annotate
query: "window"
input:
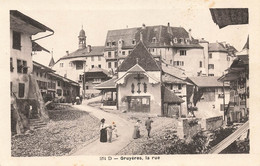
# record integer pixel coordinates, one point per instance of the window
(21, 90)
(59, 92)
(182, 40)
(154, 40)
(123, 52)
(228, 58)
(187, 40)
(175, 40)
(115, 53)
(58, 83)
(16, 40)
(182, 52)
(92, 58)
(179, 86)
(200, 63)
(61, 64)
(92, 66)
(11, 65)
(97, 80)
(153, 50)
(178, 63)
(133, 42)
(99, 66)
(211, 74)
(108, 44)
(109, 64)
(109, 54)
(99, 58)
(86, 87)
(80, 77)
(210, 55)
(113, 43)
(211, 66)
(79, 65)
(115, 64)
(22, 66)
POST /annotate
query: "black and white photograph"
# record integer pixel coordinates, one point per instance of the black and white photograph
(129, 81)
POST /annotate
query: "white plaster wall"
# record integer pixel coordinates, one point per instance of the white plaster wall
(153, 90)
(23, 54)
(191, 61)
(219, 59)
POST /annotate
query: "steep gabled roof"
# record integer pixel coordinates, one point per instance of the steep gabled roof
(109, 84)
(139, 55)
(170, 97)
(52, 62)
(246, 46)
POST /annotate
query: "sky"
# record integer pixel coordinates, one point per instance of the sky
(97, 19)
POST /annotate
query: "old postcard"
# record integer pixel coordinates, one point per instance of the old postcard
(129, 83)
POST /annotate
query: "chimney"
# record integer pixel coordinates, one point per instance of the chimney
(169, 30)
(190, 34)
(89, 48)
(143, 26)
(67, 52)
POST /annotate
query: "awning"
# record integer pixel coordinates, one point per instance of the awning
(229, 16)
(38, 47)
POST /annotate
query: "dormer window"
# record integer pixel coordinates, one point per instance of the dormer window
(175, 40)
(154, 40)
(108, 44)
(113, 43)
(187, 40)
(133, 42)
(181, 40)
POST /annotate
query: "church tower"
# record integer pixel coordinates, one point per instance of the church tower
(82, 39)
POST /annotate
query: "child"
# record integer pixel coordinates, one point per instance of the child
(114, 128)
(109, 132)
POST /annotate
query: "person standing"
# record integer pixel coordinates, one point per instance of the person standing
(114, 129)
(148, 125)
(103, 131)
(136, 133)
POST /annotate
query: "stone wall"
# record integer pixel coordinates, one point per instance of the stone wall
(187, 128)
(212, 123)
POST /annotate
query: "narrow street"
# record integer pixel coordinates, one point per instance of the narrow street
(124, 130)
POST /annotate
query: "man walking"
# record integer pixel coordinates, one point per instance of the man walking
(148, 126)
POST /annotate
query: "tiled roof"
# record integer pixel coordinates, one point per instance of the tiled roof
(163, 34)
(42, 66)
(174, 71)
(217, 47)
(229, 16)
(206, 81)
(97, 69)
(95, 50)
(170, 97)
(29, 20)
(141, 56)
(240, 61)
(109, 84)
(168, 78)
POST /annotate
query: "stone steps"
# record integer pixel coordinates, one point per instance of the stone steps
(37, 123)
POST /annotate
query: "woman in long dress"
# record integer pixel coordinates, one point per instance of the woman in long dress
(103, 131)
(136, 133)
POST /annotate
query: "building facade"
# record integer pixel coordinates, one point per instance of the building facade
(220, 57)
(74, 65)
(174, 45)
